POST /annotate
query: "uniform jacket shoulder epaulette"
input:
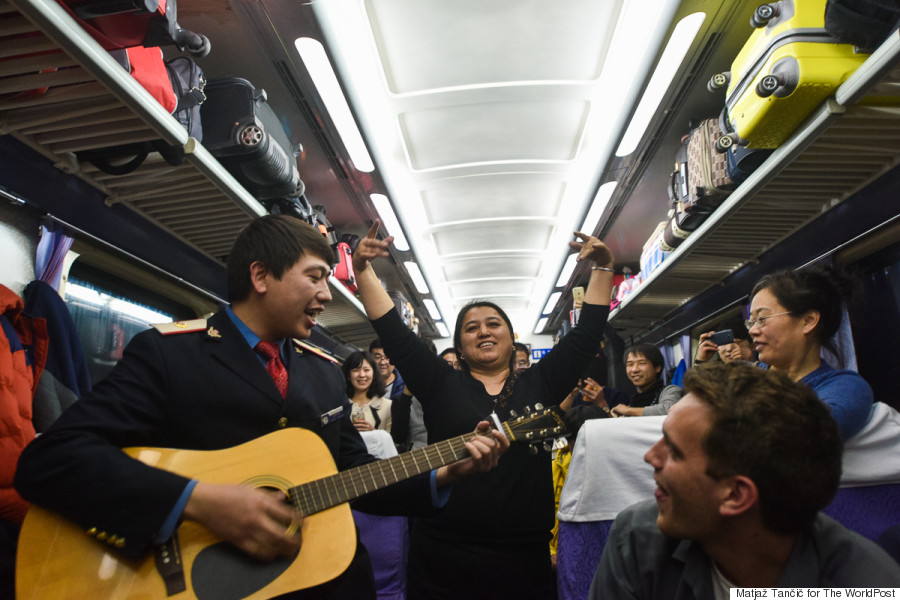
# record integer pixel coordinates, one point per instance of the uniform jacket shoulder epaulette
(302, 346)
(180, 326)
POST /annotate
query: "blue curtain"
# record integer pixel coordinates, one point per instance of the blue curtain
(51, 252)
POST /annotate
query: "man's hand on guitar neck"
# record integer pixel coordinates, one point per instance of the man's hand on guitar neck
(484, 454)
(258, 522)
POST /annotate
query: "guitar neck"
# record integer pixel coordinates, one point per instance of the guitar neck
(322, 494)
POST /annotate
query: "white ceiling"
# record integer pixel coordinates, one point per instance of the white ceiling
(491, 123)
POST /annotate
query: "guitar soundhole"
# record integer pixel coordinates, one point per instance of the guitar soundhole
(222, 572)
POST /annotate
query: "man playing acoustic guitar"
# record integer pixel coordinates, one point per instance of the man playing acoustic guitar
(210, 385)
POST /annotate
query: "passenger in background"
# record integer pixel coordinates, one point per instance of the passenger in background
(523, 357)
(491, 539)
(793, 316)
(409, 431)
(393, 381)
(740, 349)
(371, 410)
(746, 462)
(644, 365)
(450, 356)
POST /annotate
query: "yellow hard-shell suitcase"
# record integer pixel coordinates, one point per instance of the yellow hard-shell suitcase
(786, 69)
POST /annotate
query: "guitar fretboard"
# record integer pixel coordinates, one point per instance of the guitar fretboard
(322, 494)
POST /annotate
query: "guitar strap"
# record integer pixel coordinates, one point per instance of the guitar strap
(169, 565)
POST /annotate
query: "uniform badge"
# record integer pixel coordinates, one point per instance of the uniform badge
(332, 415)
(213, 333)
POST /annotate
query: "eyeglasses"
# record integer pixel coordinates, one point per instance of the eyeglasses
(761, 321)
(380, 358)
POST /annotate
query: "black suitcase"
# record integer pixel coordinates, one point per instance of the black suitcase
(680, 226)
(863, 23)
(242, 131)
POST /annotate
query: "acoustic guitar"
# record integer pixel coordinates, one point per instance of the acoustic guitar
(58, 561)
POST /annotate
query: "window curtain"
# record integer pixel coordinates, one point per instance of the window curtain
(668, 359)
(685, 342)
(51, 252)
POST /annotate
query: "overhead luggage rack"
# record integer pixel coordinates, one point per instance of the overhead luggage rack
(849, 142)
(61, 93)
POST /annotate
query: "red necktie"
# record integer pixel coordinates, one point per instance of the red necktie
(274, 366)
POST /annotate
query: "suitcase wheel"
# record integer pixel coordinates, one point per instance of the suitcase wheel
(718, 81)
(763, 14)
(251, 136)
(767, 86)
(724, 143)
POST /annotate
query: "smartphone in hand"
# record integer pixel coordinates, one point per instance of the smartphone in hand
(720, 338)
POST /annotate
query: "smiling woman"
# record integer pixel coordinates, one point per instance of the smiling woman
(493, 531)
(365, 388)
(793, 316)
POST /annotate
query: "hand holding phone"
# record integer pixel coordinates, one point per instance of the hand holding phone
(720, 338)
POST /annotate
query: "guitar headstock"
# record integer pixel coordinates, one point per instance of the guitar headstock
(536, 425)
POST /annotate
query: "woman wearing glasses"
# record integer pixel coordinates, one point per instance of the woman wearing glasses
(793, 316)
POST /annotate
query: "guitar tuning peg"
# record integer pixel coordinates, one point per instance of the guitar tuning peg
(548, 445)
(532, 449)
(527, 410)
(538, 406)
(513, 414)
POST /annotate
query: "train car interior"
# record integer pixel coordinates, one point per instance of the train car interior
(480, 134)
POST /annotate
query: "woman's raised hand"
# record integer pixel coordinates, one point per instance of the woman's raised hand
(591, 248)
(370, 248)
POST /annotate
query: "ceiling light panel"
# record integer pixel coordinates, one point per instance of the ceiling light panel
(514, 41)
(485, 266)
(470, 134)
(493, 196)
(495, 287)
(501, 235)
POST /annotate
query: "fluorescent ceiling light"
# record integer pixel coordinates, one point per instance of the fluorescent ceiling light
(442, 330)
(316, 60)
(567, 270)
(539, 329)
(551, 302)
(597, 207)
(432, 307)
(680, 42)
(389, 220)
(417, 277)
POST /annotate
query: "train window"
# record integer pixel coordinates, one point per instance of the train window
(109, 311)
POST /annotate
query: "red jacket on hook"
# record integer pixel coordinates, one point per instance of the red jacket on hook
(23, 353)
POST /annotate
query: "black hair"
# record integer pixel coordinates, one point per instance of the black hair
(822, 289)
(278, 241)
(354, 361)
(457, 331)
(648, 351)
